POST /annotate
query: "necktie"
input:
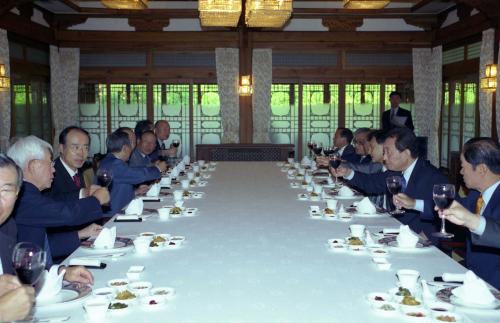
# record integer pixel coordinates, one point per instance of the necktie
(403, 183)
(76, 179)
(479, 205)
(48, 254)
(393, 113)
(163, 146)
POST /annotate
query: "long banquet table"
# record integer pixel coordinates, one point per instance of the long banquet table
(253, 254)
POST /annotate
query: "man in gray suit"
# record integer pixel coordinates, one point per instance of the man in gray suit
(146, 143)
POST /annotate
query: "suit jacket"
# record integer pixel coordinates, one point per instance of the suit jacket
(34, 213)
(155, 155)
(349, 154)
(386, 119)
(490, 236)
(419, 186)
(63, 187)
(484, 260)
(124, 179)
(367, 168)
(366, 160)
(8, 239)
(136, 159)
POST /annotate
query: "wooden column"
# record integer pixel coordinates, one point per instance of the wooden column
(149, 87)
(246, 118)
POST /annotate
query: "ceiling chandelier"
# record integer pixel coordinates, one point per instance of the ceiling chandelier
(267, 13)
(365, 4)
(489, 83)
(258, 13)
(125, 4)
(222, 13)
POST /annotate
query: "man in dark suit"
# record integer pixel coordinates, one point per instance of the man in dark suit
(401, 159)
(35, 213)
(362, 145)
(146, 143)
(68, 184)
(164, 149)
(16, 300)
(480, 160)
(124, 176)
(396, 117)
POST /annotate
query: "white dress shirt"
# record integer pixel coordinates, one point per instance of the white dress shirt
(72, 173)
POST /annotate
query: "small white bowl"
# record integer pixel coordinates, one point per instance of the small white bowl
(148, 235)
(107, 292)
(178, 238)
(457, 317)
(120, 311)
(96, 308)
(385, 308)
(167, 292)
(141, 288)
(439, 307)
(119, 284)
(378, 297)
(416, 310)
(379, 252)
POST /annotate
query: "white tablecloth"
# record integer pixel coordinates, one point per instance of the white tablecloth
(254, 255)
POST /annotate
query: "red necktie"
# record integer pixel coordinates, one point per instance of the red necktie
(76, 179)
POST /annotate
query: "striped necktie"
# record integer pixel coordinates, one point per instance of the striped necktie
(479, 205)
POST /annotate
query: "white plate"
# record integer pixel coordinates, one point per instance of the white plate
(303, 197)
(418, 248)
(70, 294)
(459, 302)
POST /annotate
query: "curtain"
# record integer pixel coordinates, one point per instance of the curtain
(64, 74)
(427, 82)
(227, 64)
(5, 106)
(262, 77)
(485, 99)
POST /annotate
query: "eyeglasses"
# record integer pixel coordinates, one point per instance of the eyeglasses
(8, 191)
(76, 148)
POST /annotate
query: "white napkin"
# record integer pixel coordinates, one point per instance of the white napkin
(474, 290)
(154, 190)
(181, 166)
(174, 173)
(368, 239)
(342, 209)
(84, 262)
(450, 277)
(406, 237)
(186, 159)
(366, 206)
(135, 207)
(346, 191)
(105, 239)
(50, 283)
(165, 182)
(427, 295)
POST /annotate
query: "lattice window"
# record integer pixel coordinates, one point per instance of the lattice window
(445, 113)
(128, 105)
(284, 114)
(93, 115)
(455, 110)
(320, 113)
(470, 100)
(171, 103)
(31, 109)
(362, 106)
(207, 124)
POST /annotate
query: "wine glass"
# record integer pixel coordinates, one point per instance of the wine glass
(318, 149)
(29, 261)
(328, 151)
(395, 186)
(104, 177)
(443, 195)
(176, 143)
(335, 162)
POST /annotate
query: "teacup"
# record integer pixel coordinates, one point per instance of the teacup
(190, 175)
(318, 188)
(178, 195)
(408, 278)
(196, 168)
(141, 245)
(96, 308)
(201, 163)
(357, 230)
(185, 184)
(164, 213)
(331, 204)
(290, 161)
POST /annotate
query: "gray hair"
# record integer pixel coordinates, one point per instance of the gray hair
(27, 149)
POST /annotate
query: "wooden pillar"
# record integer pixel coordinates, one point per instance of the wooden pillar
(149, 87)
(246, 118)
